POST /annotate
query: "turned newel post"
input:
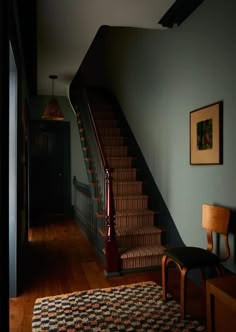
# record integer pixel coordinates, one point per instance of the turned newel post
(111, 247)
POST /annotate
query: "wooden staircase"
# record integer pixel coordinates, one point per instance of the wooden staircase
(139, 240)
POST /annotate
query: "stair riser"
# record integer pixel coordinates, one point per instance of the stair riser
(120, 163)
(128, 175)
(114, 141)
(131, 203)
(101, 113)
(116, 151)
(134, 221)
(126, 189)
(107, 123)
(139, 240)
(141, 262)
(109, 131)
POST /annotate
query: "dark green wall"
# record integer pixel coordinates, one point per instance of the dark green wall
(159, 77)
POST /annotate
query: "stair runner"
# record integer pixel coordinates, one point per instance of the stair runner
(139, 240)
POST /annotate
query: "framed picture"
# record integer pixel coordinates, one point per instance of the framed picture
(206, 126)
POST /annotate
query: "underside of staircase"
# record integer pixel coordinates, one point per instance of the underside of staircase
(139, 239)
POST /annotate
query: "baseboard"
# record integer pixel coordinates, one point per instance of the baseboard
(111, 274)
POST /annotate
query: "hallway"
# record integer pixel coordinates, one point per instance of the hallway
(60, 259)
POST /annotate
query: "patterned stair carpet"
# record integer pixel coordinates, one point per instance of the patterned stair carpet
(135, 307)
(139, 239)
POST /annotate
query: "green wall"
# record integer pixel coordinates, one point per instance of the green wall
(78, 169)
(159, 77)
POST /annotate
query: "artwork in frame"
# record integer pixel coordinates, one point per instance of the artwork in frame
(206, 126)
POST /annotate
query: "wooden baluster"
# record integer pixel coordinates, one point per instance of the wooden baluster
(112, 260)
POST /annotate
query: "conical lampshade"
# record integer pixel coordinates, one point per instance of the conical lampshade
(52, 110)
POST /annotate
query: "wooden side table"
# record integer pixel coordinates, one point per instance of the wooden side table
(221, 304)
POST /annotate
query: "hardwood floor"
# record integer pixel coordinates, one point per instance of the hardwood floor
(59, 259)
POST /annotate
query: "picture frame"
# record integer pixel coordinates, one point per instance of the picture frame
(206, 135)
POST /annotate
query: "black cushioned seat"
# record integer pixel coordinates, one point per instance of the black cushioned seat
(192, 257)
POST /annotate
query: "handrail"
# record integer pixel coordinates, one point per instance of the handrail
(80, 186)
(104, 160)
(112, 264)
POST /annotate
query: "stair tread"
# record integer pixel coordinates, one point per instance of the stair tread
(115, 137)
(142, 251)
(112, 146)
(137, 231)
(117, 147)
(103, 108)
(124, 169)
(121, 213)
(126, 157)
(126, 196)
(127, 181)
(127, 213)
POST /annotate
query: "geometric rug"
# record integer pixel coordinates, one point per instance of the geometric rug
(136, 307)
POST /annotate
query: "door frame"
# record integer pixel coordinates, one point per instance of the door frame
(64, 126)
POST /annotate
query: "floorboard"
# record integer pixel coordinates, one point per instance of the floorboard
(60, 259)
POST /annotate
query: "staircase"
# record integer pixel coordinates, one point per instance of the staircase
(139, 240)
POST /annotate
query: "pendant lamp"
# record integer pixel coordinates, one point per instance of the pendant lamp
(52, 110)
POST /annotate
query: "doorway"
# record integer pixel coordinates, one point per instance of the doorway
(50, 180)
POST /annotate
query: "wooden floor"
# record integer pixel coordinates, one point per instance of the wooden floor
(59, 259)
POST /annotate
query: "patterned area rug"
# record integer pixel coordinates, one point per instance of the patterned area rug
(135, 307)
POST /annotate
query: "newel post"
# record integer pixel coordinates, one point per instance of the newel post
(112, 259)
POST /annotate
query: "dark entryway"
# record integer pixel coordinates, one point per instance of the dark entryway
(50, 187)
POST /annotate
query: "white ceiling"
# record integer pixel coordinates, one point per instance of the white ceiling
(66, 28)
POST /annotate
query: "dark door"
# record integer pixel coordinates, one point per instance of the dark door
(50, 189)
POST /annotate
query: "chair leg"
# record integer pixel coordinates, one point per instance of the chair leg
(220, 270)
(164, 270)
(203, 279)
(183, 280)
(203, 274)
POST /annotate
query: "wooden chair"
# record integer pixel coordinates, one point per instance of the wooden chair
(214, 219)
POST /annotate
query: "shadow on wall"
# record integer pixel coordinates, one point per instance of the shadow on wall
(163, 218)
(91, 71)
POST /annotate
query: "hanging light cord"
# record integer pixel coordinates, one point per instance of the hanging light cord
(53, 111)
(53, 77)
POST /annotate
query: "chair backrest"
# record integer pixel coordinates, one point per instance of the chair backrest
(216, 219)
